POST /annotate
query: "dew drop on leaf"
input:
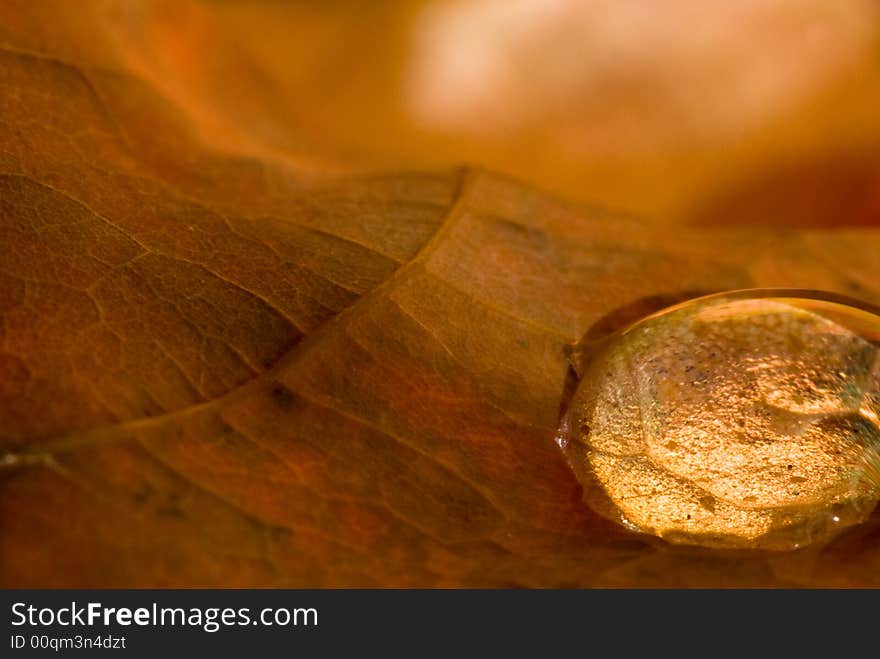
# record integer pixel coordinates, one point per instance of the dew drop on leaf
(739, 420)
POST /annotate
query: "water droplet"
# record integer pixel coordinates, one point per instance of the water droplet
(745, 419)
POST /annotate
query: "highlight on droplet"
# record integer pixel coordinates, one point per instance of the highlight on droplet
(740, 420)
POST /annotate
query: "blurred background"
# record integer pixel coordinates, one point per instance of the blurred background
(707, 111)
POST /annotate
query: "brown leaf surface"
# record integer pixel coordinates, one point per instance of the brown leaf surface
(224, 363)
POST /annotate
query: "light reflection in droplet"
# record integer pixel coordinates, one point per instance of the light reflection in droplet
(746, 419)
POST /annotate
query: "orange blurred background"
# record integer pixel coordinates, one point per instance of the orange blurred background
(764, 111)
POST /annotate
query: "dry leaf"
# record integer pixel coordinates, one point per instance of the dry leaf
(222, 366)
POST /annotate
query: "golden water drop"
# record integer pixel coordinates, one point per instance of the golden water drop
(740, 420)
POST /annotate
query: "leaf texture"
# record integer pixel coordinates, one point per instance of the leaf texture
(221, 366)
